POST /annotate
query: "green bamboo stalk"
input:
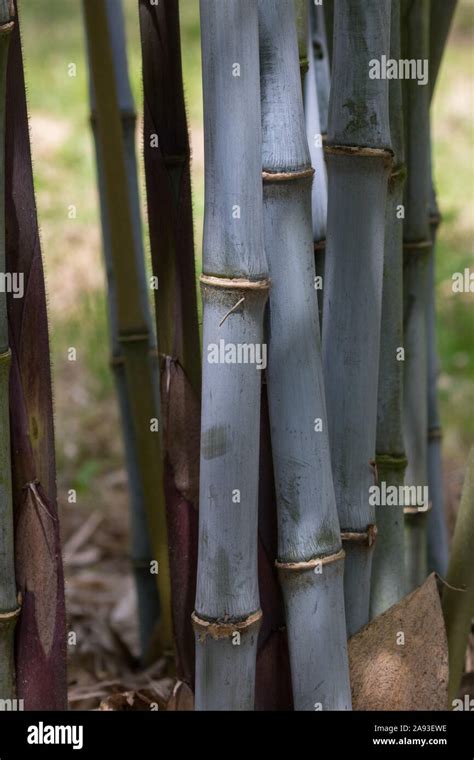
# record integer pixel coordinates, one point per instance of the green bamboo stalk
(302, 27)
(417, 247)
(147, 592)
(442, 12)
(8, 602)
(388, 575)
(310, 556)
(134, 335)
(359, 161)
(234, 290)
(458, 596)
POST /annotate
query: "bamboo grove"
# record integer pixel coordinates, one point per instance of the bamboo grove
(258, 449)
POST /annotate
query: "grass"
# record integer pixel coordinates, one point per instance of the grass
(65, 175)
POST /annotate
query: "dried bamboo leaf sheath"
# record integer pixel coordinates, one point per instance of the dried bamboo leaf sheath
(8, 601)
(359, 161)
(170, 222)
(147, 592)
(134, 335)
(310, 556)
(40, 638)
(234, 292)
(441, 15)
(388, 572)
(417, 248)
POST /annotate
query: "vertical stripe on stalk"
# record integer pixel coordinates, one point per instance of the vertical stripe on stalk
(234, 292)
(310, 556)
(359, 160)
(316, 106)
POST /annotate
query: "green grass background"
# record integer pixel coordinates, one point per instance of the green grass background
(87, 425)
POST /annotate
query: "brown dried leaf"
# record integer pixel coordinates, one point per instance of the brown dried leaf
(388, 675)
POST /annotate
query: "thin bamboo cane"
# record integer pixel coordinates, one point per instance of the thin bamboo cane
(359, 161)
(134, 335)
(310, 556)
(458, 596)
(316, 105)
(167, 167)
(40, 647)
(235, 290)
(440, 21)
(8, 601)
(147, 592)
(388, 574)
(417, 247)
(170, 222)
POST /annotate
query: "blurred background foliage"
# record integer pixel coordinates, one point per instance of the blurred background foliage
(90, 456)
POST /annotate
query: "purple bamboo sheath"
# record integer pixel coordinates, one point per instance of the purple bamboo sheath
(41, 631)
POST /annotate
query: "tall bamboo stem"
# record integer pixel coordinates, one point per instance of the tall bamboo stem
(134, 336)
(417, 248)
(234, 290)
(40, 646)
(170, 222)
(310, 556)
(359, 161)
(388, 575)
(442, 12)
(8, 602)
(458, 596)
(147, 592)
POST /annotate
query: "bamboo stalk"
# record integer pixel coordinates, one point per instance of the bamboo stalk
(8, 602)
(316, 105)
(417, 249)
(310, 556)
(147, 592)
(438, 555)
(170, 222)
(234, 290)
(458, 596)
(359, 161)
(388, 575)
(40, 646)
(134, 336)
